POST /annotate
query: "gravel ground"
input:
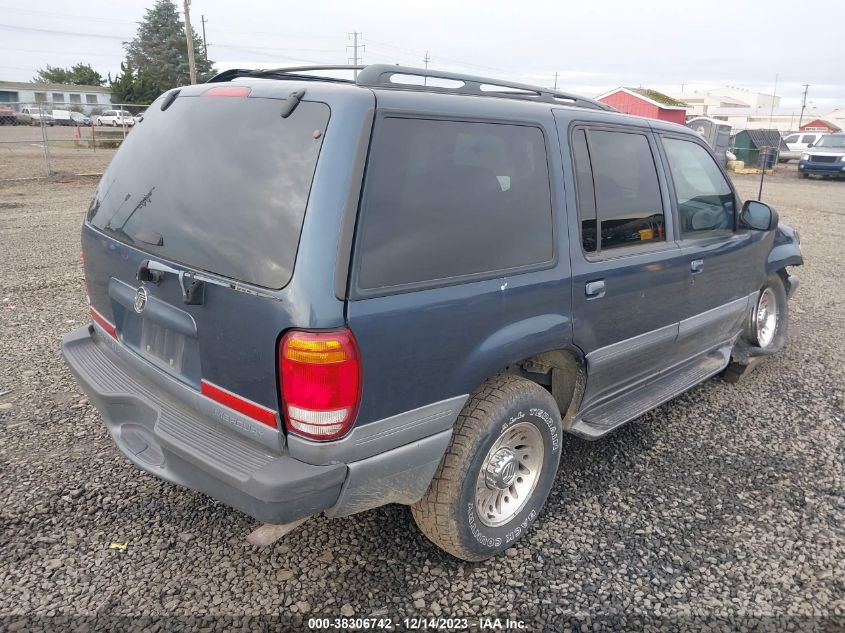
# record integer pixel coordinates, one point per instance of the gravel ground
(22, 151)
(723, 508)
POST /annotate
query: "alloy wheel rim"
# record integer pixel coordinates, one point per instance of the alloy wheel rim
(509, 474)
(766, 318)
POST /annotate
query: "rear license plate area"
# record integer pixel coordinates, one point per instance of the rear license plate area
(162, 345)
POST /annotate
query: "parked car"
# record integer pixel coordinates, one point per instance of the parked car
(798, 144)
(826, 158)
(38, 116)
(7, 116)
(80, 119)
(422, 290)
(62, 117)
(115, 118)
(138, 117)
(22, 118)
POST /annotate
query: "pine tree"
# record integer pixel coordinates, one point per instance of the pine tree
(158, 56)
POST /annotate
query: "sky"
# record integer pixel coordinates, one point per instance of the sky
(594, 46)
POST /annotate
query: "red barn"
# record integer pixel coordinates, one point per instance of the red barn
(647, 103)
(819, 125)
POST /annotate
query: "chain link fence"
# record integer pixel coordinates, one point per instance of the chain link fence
(42, 140)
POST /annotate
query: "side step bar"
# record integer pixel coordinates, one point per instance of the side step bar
(608, 416)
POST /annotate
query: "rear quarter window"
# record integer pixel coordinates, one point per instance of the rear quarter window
(447, 199)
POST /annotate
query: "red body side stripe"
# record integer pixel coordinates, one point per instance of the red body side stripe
(241, 405)
(103, 322)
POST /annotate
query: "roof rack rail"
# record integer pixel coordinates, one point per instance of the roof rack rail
(290, 72)
(381, 76)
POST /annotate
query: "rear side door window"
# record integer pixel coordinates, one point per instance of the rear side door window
(704, 197)
(445, 199)
(619, 201)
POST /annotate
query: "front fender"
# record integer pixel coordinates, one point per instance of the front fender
(786, 250)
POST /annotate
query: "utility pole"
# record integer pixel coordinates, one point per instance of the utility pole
(356, 58)
(774, 94)
(189, 34)
(803, 105)
(555, 80)
(426, 59)
(204, 43)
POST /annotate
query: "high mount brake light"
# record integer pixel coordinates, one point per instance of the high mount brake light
(320, 382)
(227, 91)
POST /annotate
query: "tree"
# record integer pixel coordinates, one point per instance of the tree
(79, 75)
(158, 54)
(129, 86)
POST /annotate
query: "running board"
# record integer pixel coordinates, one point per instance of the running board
(598, 421)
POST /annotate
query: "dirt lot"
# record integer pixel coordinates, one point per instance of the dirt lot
(725, 506)
(22, 151)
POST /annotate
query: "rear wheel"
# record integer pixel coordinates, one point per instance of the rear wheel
(498, 470)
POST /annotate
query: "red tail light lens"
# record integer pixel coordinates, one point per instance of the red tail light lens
(320, 376)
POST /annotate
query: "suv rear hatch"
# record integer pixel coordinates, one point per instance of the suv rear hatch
(193, 233)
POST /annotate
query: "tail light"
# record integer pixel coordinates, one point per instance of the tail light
(320, 382)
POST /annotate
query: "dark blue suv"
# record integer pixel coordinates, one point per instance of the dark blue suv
(314, 295)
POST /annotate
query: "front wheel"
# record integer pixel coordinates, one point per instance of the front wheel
(497, 472)
(770, 320)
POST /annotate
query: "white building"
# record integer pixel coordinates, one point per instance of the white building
(837, 117)
(702, 103)
(54, 96)
(753, 99)
(782, 119)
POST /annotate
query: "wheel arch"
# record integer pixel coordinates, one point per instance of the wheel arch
(563, 372)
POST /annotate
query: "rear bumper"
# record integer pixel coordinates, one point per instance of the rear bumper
(166, 438)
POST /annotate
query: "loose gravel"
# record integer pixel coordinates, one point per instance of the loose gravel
(722, 509)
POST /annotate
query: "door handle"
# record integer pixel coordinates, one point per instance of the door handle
(594, 289)
(696, 266)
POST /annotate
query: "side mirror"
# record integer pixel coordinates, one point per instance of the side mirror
(758, 216)
(809, 145)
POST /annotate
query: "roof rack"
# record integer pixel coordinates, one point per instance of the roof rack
(385, 75)
(382, 76)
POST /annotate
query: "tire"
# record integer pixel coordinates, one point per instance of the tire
(770, 320)
(804, 174)
(113, 123)
(506, 412)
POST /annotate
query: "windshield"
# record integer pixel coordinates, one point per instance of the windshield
(832, 140)
(216, 183)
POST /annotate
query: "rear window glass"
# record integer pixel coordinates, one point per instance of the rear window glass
(445, 199)
(215, 183)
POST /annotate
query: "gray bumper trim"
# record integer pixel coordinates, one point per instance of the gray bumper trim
(381, 436)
